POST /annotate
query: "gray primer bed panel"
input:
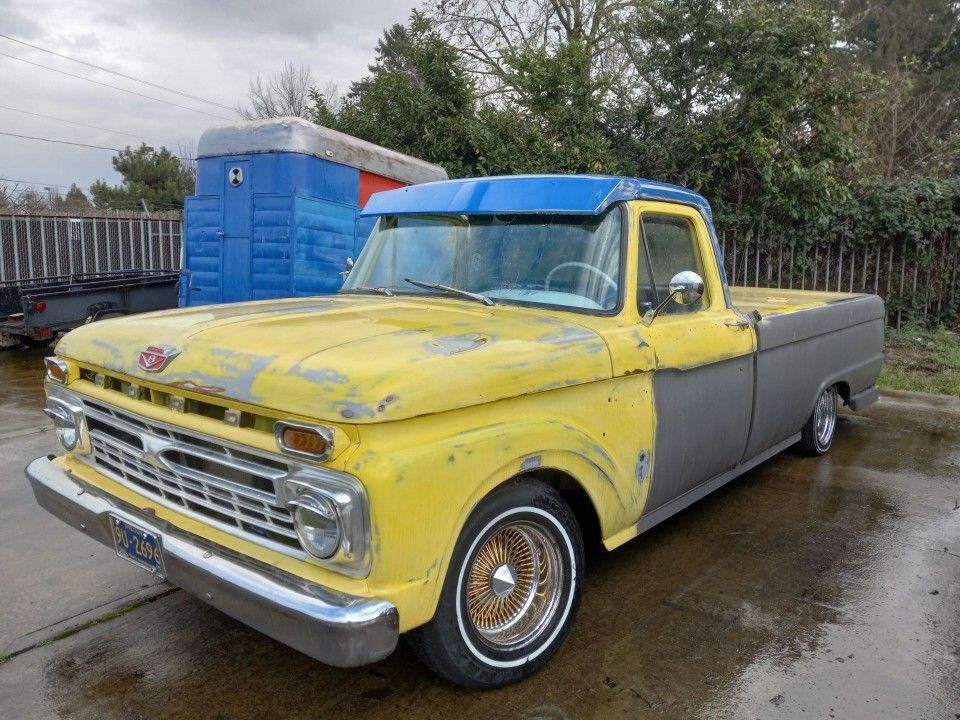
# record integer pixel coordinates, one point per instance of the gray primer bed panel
(802, 353)
(776, 330)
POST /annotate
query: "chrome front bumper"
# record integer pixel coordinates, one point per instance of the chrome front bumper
(329, 626)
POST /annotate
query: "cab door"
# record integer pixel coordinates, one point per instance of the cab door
(703, 380)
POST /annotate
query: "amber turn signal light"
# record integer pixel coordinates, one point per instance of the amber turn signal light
(304, 440)
(56, 370)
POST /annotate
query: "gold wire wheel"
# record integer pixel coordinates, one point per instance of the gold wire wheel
(513, 587)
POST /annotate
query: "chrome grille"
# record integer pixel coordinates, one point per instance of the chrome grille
(200, 475)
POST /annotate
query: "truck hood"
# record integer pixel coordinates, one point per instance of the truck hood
(357, 359)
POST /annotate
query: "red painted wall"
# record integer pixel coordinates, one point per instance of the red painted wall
(370, 183)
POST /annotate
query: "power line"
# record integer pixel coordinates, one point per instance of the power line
(119, 74)
(61, 142)
(72, 122)
(40, 184)
(112, 87)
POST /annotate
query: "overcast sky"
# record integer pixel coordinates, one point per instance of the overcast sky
(205, 48)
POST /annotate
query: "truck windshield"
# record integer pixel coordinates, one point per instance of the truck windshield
(557, 260)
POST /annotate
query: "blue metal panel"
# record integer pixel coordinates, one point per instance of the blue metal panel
(286, 230)
(559, 194)
(272, 248)
(209, 176)
(289, 173)
(324, 236)
(201, 251)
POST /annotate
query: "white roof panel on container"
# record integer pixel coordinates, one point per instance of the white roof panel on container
(291, 134)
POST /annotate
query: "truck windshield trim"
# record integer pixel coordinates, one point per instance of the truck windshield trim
(572, 263)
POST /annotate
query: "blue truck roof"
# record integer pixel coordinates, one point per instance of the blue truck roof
(553, 194)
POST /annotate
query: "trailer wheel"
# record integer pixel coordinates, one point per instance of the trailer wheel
(817, 435)
(511, 591)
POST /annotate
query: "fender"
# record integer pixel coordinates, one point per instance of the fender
(435, 483)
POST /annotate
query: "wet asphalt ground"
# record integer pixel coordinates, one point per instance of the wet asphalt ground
(808, 588)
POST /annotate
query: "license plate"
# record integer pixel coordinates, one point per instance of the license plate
(137, 546)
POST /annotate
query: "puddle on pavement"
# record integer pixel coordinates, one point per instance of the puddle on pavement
(21, 380)
(807, 586)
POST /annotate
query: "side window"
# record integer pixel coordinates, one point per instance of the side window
(669, 247)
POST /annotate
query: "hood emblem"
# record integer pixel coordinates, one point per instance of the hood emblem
(156, 357)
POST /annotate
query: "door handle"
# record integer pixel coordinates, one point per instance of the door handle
(738, 323)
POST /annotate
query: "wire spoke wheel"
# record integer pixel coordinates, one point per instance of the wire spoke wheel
(511, 592)
(514, 586)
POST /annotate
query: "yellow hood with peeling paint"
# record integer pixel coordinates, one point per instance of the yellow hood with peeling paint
(352, 358)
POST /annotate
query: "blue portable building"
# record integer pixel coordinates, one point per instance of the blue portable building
(276, 210)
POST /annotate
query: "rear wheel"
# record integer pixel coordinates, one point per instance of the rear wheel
(817, 435)
(511, 592)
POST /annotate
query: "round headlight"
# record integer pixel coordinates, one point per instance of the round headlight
(318, 524)
(65, 424)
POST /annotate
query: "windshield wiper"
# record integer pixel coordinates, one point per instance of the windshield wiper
(378, 290)
(452, 290)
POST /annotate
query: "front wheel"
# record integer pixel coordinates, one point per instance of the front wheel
(511, 592)
(817, 435)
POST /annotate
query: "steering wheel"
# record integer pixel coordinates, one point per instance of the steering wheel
(584, 266)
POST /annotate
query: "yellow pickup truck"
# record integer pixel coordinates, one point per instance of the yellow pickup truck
(513, 366)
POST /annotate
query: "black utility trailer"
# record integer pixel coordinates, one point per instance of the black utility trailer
(34, 311)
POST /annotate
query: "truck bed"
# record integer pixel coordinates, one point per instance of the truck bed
(806, 341)
(780, 301)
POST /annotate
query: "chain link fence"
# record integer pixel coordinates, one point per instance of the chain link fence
(38, 246)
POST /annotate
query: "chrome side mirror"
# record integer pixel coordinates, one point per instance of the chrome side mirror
(686, 287)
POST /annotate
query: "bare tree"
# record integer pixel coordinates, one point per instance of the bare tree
(187, 153)
(331, 96)
(488, 32)
(907, 124)
(286, 92)
(7, 198)
(32, 202)
(325, 104)
(912, 109)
